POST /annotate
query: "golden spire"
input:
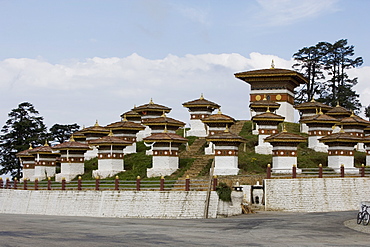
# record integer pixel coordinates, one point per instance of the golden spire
(312, 100)
(110, 132)
(341, 129)
(96, 123)
(268, 109)
(46, 143)
(321, 111)
(219, 111)
(163, 114)
(227, 129)
(124, 118)
(317, 112)
(201, 96)
(165, 129)
(151, 101)
(71, 139)
(272, 64)
(352, 113)
(30, 146)
(338, 104)
(134, 106)
(284, 128)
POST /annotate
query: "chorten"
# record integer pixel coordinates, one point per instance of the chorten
(339, 112)
(45, 161)
(159, 124)
(284, 152)
(28, 162)
(277, 84)
(355, 125)
(93, 133)
(132, 116)
(199, 109)
(308, 109)
(110, 155)
(341, 151)
(71, 160)
(165, 153)
(267, 125)
(261, 106)
(226, 152)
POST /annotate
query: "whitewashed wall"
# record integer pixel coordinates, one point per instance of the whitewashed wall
(316, 194)
(124, 204)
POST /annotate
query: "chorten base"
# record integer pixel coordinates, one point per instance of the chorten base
(225, 171)
(263, 149)
(158, 172)
(105, 174)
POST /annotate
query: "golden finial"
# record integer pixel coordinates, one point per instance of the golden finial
(110, 132)
(163, 114)
(46, 143)
(352, 113)
(165, 129)
(272, 64)
(227, 129)
(219, 111)
(284, 128)
(30, 146)
(71, 139)
(317, 112)
(268, 109)
(151, 101)
(134, 106)
(312, 100)
(338, 104)
(83, 126)
(96, 123)
(321, 111)
(201, 96)
(341, 129)
(124, 118)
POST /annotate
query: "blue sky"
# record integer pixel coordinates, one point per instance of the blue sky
(79, 61)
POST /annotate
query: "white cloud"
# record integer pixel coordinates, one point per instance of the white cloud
(104, 88)
(285, 12)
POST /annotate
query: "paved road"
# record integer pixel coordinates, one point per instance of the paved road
(262, 229)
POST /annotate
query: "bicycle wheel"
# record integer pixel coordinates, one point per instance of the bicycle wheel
(359, 218)
(366, 219)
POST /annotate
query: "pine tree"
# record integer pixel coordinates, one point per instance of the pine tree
(61, 132)
(24, 127)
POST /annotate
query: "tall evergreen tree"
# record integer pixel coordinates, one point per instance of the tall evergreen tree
(24, 127)
(61, 132)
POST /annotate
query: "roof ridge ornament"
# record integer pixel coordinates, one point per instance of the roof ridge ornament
(352, 113)
(163, 114)
(201, 96)
(165, 129)
(284, 128)
(46, 143)
(227, 129)
(219, 111)
(124, 118)
(30, 147)
(337, 104)
(320, 112)
(272, 64)
(110, 133)
(268, 109)
(72, 139)
(313, 100)
(96, 123)
(151, 101)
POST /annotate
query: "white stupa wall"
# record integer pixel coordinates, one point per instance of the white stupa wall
(69, 171)
(163, 166)
(336, 161)
(108, 167)
(263, 147)
(28, 174)
(284, 164)
(197, 128)
(43, 172)
(90, 154)
(228, 164)
(315, 144)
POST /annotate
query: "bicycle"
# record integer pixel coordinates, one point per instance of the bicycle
(363, 216)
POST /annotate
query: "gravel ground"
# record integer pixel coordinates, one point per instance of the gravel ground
(357, 227)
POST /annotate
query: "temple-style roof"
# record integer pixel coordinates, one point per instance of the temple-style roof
(164, 120)
(254, 75)
(130, 114)
(264, 104)
(95, 129)
(151, 106)
(71, 145)
(312, 105)
(25, 153)
(201, 102)
(340, 137)
(110, 140)
(124, 124)
(42, 149)
(285, 137)
(225, 136)
(218, 118)
(339, 111)
(354, 120)
(319, 118)
(165, 137)
(268, 116)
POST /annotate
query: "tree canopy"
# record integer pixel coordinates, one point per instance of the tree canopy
(326, 65)
(24, 127)
(61, 132)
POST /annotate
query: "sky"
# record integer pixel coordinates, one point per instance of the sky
(78, 61)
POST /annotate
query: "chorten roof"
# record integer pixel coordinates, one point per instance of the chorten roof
(286, 137)
(201, 102)
(71, 145)
(340, 137)
(225, 136)
(42, 149)
(151, 106)
(264, 104)
(268, 116)
(164, 120)
(218, 118)
(354, 120)
(338, 110)
(110, 140)
(312, 105)
(165, 137)
(94, 129)
(124, 124)
(25, 153)
(130, 113)
(319, 118)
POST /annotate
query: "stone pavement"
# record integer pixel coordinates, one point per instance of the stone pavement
(261, 229)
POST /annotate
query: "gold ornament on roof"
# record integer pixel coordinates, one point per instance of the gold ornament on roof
(151, 101)
(163, 114)
(352, 113)
(71, 139)
(46, 143)
(284, 128)
(341, 129)
(30, 146)
(201, 96)
(124, 118)
(165, 129)
(110, 132)
(338, 104)
(96, 123)
(227, 129)
(219, 111)
(272, 64)
(321, 111)
(268, 109)
(312, 100)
